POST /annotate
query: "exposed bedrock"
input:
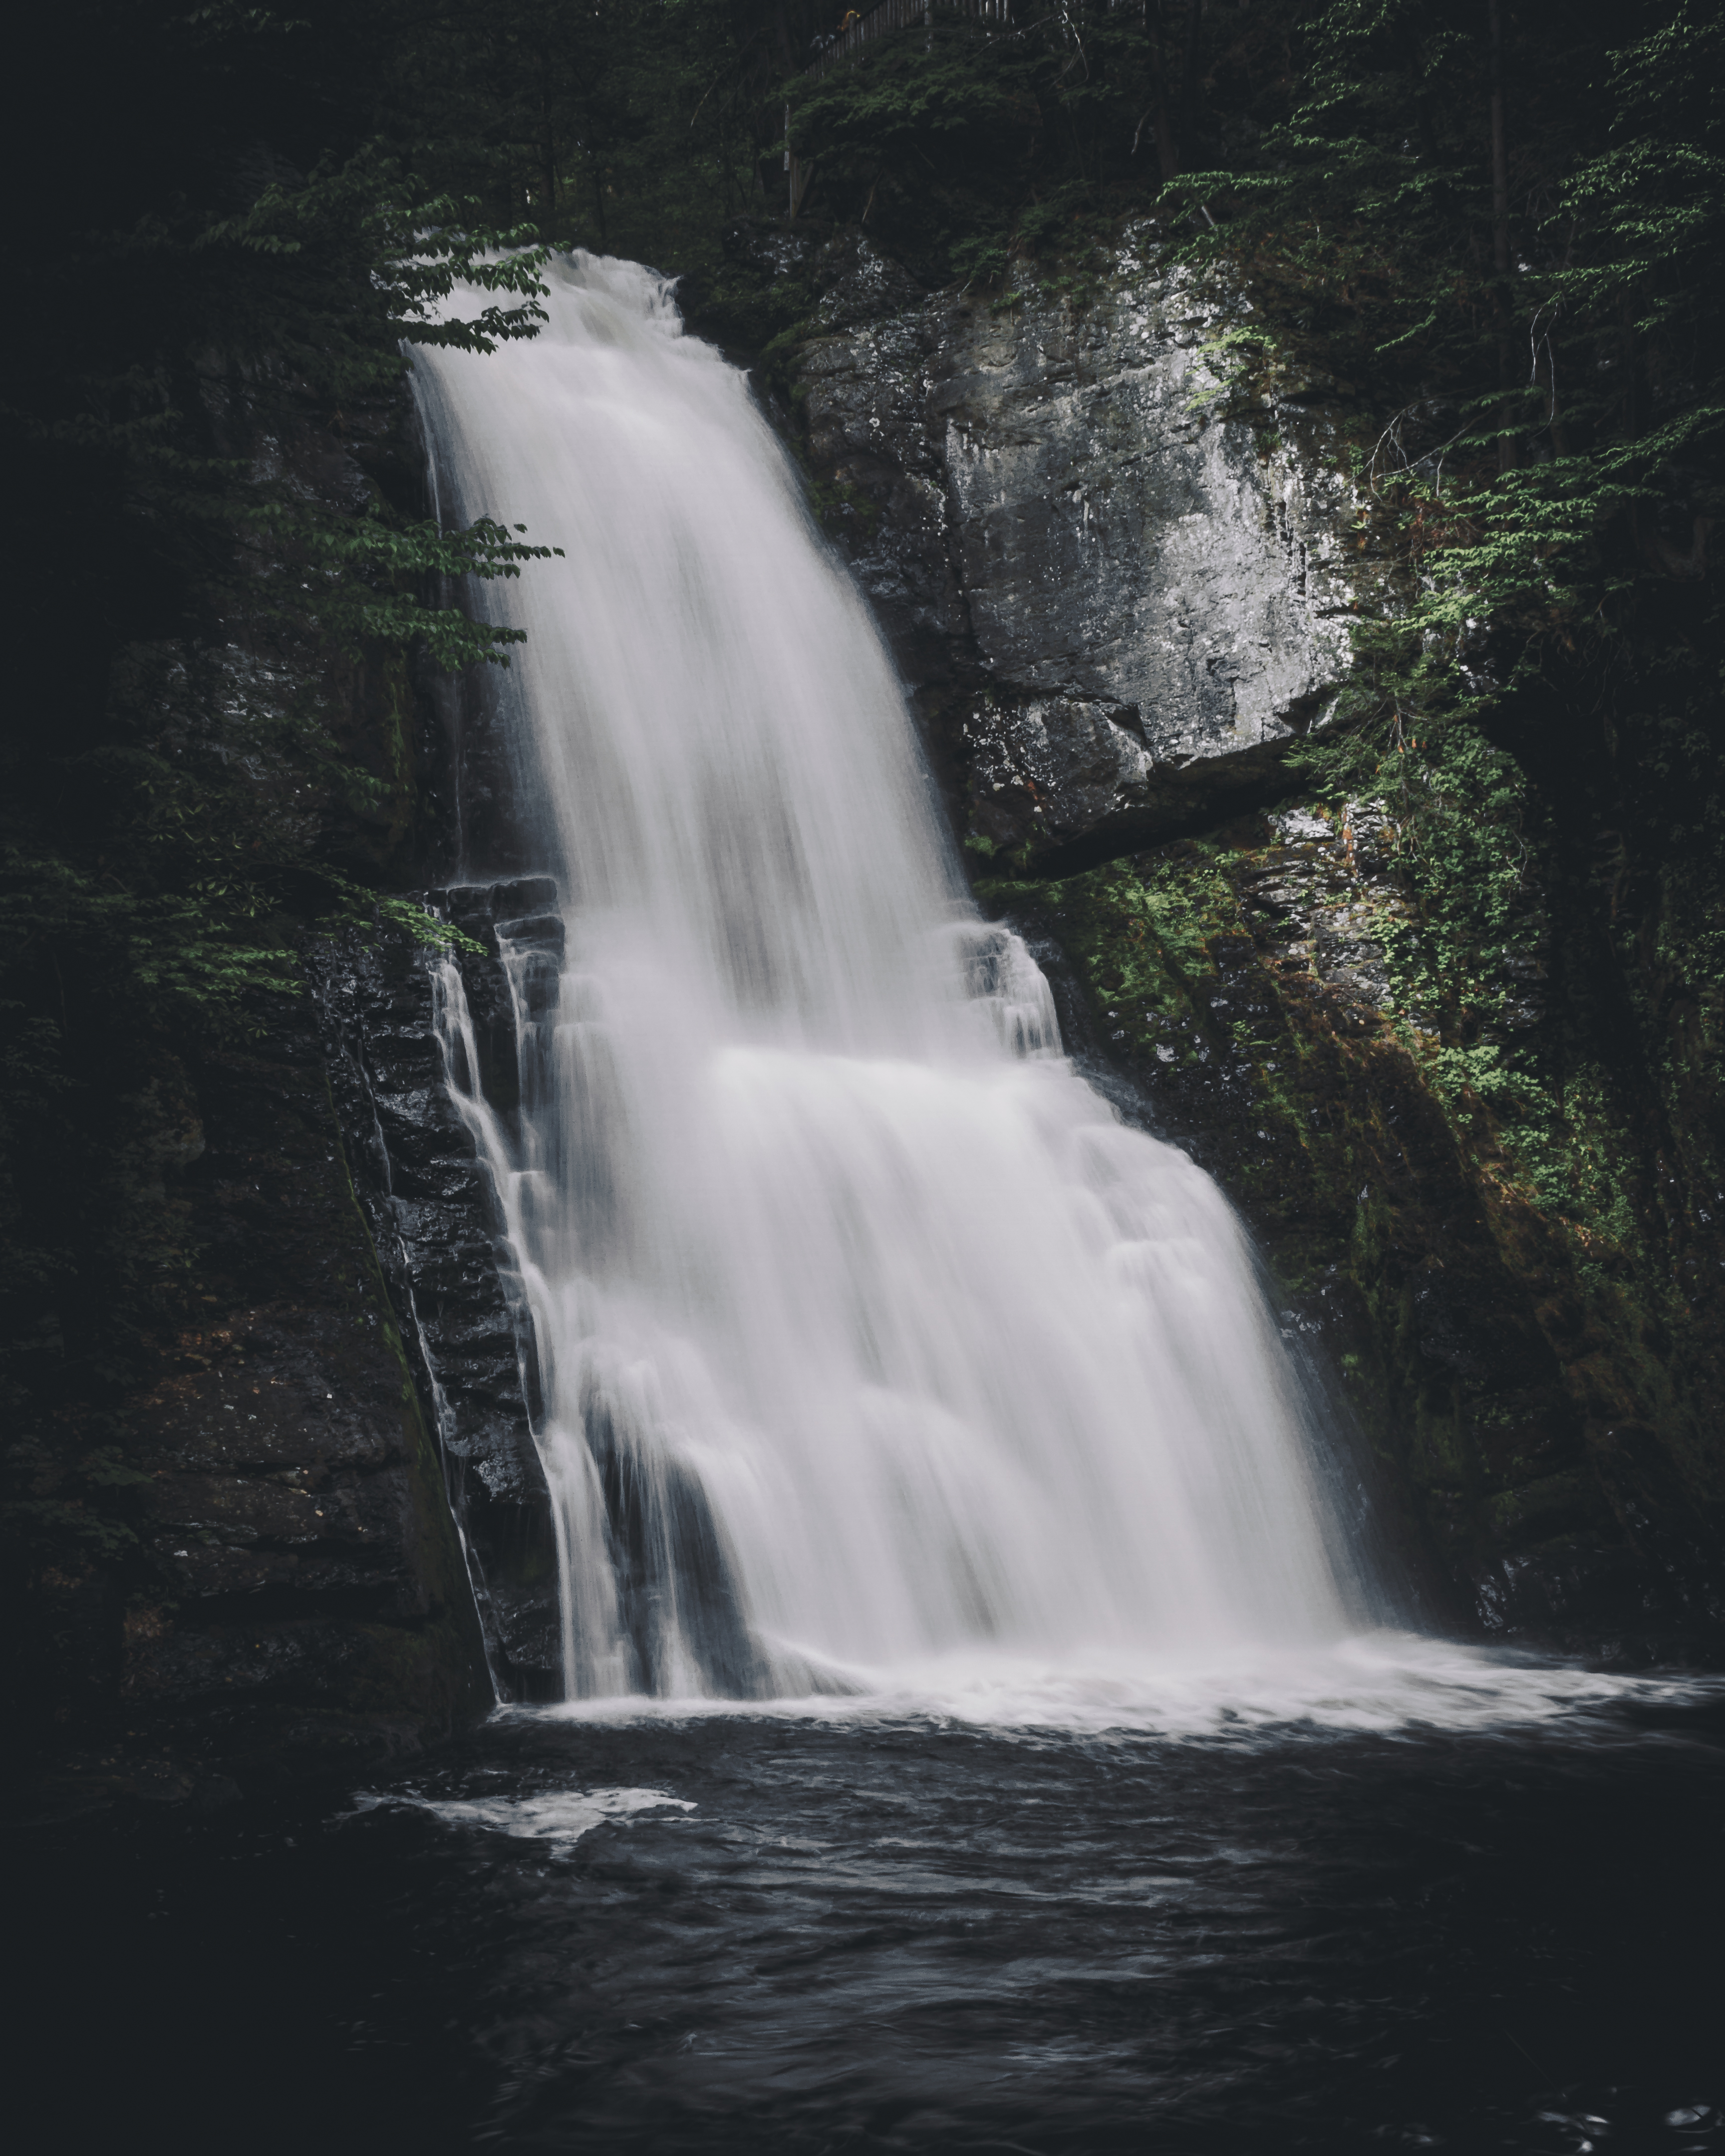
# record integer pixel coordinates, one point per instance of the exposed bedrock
(341, 1537)
(1115, 609)
(434, 1220)
(299, 1596)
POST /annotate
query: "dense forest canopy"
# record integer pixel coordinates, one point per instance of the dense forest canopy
(1492, 229)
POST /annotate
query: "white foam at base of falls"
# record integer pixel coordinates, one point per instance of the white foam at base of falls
(1387, 1683)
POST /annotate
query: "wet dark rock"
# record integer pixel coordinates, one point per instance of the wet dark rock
(434, 1220)
(544, 930)
(771, 249)
(860, 285)
(310, 1597)
(671, 1563)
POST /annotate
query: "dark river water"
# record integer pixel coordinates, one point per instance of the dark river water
(900, 1932)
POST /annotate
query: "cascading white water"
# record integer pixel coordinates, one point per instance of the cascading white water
(869, 1335)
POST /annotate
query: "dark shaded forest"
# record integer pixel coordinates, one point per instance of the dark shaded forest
(1495, 230)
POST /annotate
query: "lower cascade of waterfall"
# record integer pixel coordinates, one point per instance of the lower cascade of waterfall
(871, 1342)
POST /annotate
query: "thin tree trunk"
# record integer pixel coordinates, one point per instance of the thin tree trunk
(548, 181)
(1192, 61)
(547, 155)
(1500, 242)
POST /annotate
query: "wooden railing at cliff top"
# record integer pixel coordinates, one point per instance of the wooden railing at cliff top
(846, 42)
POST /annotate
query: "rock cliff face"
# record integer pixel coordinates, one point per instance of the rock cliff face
(339, 1535)
(1115, 609)
(430, 1211)
(311, 1603)
(300, 1522)
(1116, 612)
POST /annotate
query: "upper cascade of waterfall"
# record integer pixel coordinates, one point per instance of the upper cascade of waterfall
(869, 1335)
(703, 761)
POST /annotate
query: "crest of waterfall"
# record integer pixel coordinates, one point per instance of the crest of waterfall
(869, 1335)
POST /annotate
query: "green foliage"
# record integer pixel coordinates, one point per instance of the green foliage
(425, 928)
(303, 303)
(956, 143)
(644, 128)
(1527, 353)
(635, 127)
(1533, 355)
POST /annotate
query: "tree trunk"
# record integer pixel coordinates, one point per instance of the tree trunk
(1192, 63)
(547, 155)
(1167, 147)
(1500, 244)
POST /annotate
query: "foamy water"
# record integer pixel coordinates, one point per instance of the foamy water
(1387, 1683)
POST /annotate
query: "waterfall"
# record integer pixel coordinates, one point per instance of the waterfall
(870, 1338)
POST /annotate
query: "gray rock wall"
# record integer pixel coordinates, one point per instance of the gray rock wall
(1116, 607)
(308, 1601)
(338, 1491)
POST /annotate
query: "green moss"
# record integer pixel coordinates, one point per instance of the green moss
(840, 506)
